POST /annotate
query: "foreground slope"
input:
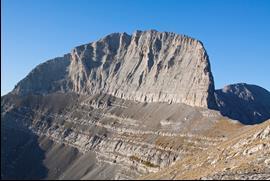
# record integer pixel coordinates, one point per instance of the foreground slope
(101, 137)
(245, 155)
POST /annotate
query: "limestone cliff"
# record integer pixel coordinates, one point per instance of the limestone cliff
(147, 66)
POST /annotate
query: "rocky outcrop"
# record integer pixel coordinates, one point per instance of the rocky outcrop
(250, 104)
(121, 135)
(48, 77)
(245, 156)
(148, 66)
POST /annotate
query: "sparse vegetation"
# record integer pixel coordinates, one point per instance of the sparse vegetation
(146, 163)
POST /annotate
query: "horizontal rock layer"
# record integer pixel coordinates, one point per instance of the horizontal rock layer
(130, 139)
(245, 156)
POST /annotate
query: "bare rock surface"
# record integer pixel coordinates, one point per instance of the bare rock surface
(250, 104)
(147, 66)
(244, 156)
(123, 139)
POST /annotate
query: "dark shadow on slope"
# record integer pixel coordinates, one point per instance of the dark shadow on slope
(249, 104)
(21, 156)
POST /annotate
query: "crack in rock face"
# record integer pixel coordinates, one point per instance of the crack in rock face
(147, 66)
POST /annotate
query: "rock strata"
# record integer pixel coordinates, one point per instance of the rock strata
(147, 66)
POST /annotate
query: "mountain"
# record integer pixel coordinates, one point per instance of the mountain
(249, 104)
(118, 108)
(148, 66)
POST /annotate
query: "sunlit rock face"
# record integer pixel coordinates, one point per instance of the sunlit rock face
(147, 66)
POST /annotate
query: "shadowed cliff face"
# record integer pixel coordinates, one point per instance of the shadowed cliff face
(147, 66)
(250, 104)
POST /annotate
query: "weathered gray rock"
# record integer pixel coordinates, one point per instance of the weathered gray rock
(148, 66)
(250, 104)
(48, 77)
(122, 136)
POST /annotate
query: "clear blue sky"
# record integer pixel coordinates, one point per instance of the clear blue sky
(236, 33)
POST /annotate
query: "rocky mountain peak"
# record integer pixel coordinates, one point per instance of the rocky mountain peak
(250, 104)
(147, 66)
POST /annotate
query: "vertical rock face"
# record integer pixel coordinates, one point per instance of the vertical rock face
(148, 66)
